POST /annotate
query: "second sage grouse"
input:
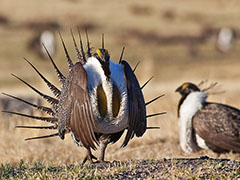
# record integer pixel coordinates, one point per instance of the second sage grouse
(98, 100)
(47, 38)
(205, 124)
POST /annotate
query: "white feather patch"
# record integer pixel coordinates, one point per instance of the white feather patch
(96, 76)
(117, 77)
(95, 73)
(201, 142)
(189, 108)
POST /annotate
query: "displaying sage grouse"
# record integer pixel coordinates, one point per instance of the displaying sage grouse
(205, 124)
(98, 100)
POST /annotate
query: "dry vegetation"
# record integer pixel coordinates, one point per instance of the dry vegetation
(174, 41)
(203, 168)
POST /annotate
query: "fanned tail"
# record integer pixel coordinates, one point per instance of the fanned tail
(57, 92)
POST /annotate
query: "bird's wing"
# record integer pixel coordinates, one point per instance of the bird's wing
(219, 126)
(136, 105)
(81, 121)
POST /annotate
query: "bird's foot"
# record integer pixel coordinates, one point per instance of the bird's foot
(89, 157)
(101, 161)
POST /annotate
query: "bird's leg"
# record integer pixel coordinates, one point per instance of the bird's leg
(103, 145)
(88, 157)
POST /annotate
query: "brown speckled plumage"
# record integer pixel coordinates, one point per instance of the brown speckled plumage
(217, 124)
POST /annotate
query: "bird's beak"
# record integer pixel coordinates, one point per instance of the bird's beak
(178, 89)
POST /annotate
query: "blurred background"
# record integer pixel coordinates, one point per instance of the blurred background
(176, 41)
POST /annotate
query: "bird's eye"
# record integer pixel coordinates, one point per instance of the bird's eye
(185, 85)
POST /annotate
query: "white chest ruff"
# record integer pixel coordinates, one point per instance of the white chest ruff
(189, 108)
(96, 76)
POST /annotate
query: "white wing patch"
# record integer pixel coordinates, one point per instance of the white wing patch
(188, 109)
(201, 142)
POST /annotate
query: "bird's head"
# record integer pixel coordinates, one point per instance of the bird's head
(187, 88)
(103, 57)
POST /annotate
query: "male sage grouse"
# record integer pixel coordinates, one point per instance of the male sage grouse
(98, 100)
(205, 124)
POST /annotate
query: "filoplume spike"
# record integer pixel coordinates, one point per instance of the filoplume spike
(151, 101)
(41, 137)
(156, 114)
(136, 66)
(42, 108)
(81, 47)
(70, 63)
(54, 89)
(152, 127)
(147, 82)
(120, 59)
(59, 74)
(88, 45)
(76, 47)
(51, 100)
(47, 119)
(102, 40)
(37, 127)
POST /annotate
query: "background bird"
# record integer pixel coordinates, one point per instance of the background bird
(205, 124)
(98, 100)
(225, 39)
(47, 38)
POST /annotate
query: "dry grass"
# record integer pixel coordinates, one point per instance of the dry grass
(203, 168)
(172, 64)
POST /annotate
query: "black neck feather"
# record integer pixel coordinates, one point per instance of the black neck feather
(106, 67)
(180, 103)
